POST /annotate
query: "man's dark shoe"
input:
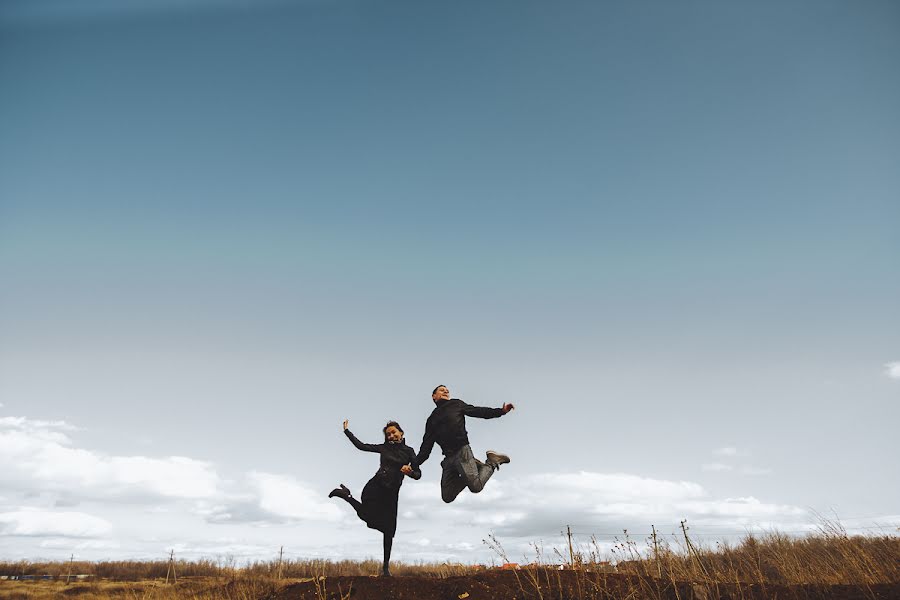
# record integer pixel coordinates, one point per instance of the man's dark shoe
(495, 459)
(340, 492)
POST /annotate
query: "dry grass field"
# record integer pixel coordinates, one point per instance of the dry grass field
(831, 564)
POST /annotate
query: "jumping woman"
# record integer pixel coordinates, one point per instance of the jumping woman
(379, 497)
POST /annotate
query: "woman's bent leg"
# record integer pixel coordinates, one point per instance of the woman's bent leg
(356, 504)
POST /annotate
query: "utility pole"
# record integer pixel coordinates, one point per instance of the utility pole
(280, 558)
(69, 574)
(692, 550)
(696, 554)
(656, 552)
(171, 567)
(571, 550)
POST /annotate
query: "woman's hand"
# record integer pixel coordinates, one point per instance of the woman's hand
(507, 407)
(346, 422)
(406, 469)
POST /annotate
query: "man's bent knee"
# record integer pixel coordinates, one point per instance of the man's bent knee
(476, 486)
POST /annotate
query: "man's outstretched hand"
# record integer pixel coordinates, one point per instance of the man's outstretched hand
(507, 407)
(346, 423)
(406, 469)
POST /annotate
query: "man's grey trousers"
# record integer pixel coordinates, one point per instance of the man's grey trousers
(462, 470)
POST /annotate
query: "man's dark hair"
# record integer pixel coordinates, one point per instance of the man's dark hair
(391, 424)
(434, 391)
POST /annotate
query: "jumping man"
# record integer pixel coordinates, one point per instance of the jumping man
(447, 426)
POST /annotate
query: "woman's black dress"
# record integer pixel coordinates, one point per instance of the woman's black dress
(379, 496)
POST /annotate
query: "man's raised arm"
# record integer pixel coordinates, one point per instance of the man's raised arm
(481, 412)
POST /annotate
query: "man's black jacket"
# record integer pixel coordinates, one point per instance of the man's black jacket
(447, 426)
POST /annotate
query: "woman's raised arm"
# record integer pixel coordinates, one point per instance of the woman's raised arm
(359, 444)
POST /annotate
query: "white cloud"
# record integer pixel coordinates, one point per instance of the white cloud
(744, 508)
(37, 427)
(464, 546)
(175, 476)
(892, 369)
(716, 467)
(729, 451)
(536, 506)
(217, 548)
(40, 456)
(269, 499)
(284, 496)
(73, 544)
(36, 522)
(732, 452)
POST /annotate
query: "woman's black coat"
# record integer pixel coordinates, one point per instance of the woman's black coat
(379, 496)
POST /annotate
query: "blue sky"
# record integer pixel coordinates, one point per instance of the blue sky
(663, 230)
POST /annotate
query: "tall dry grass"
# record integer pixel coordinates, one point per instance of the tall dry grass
(660, 569)
(227, 569)
(654, 569)
(120, 570)
(831, 557)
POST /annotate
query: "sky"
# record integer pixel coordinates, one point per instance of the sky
(668, 232)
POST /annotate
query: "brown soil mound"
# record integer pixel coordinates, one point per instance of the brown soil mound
(563, 585)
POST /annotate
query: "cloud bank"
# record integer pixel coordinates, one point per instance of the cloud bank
(39, 460)
(40, 455)
(180, 502)
(539, 505)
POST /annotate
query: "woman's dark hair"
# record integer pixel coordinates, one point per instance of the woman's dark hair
(391, 424)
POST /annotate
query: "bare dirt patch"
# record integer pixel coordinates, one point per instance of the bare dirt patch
(564, 585)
